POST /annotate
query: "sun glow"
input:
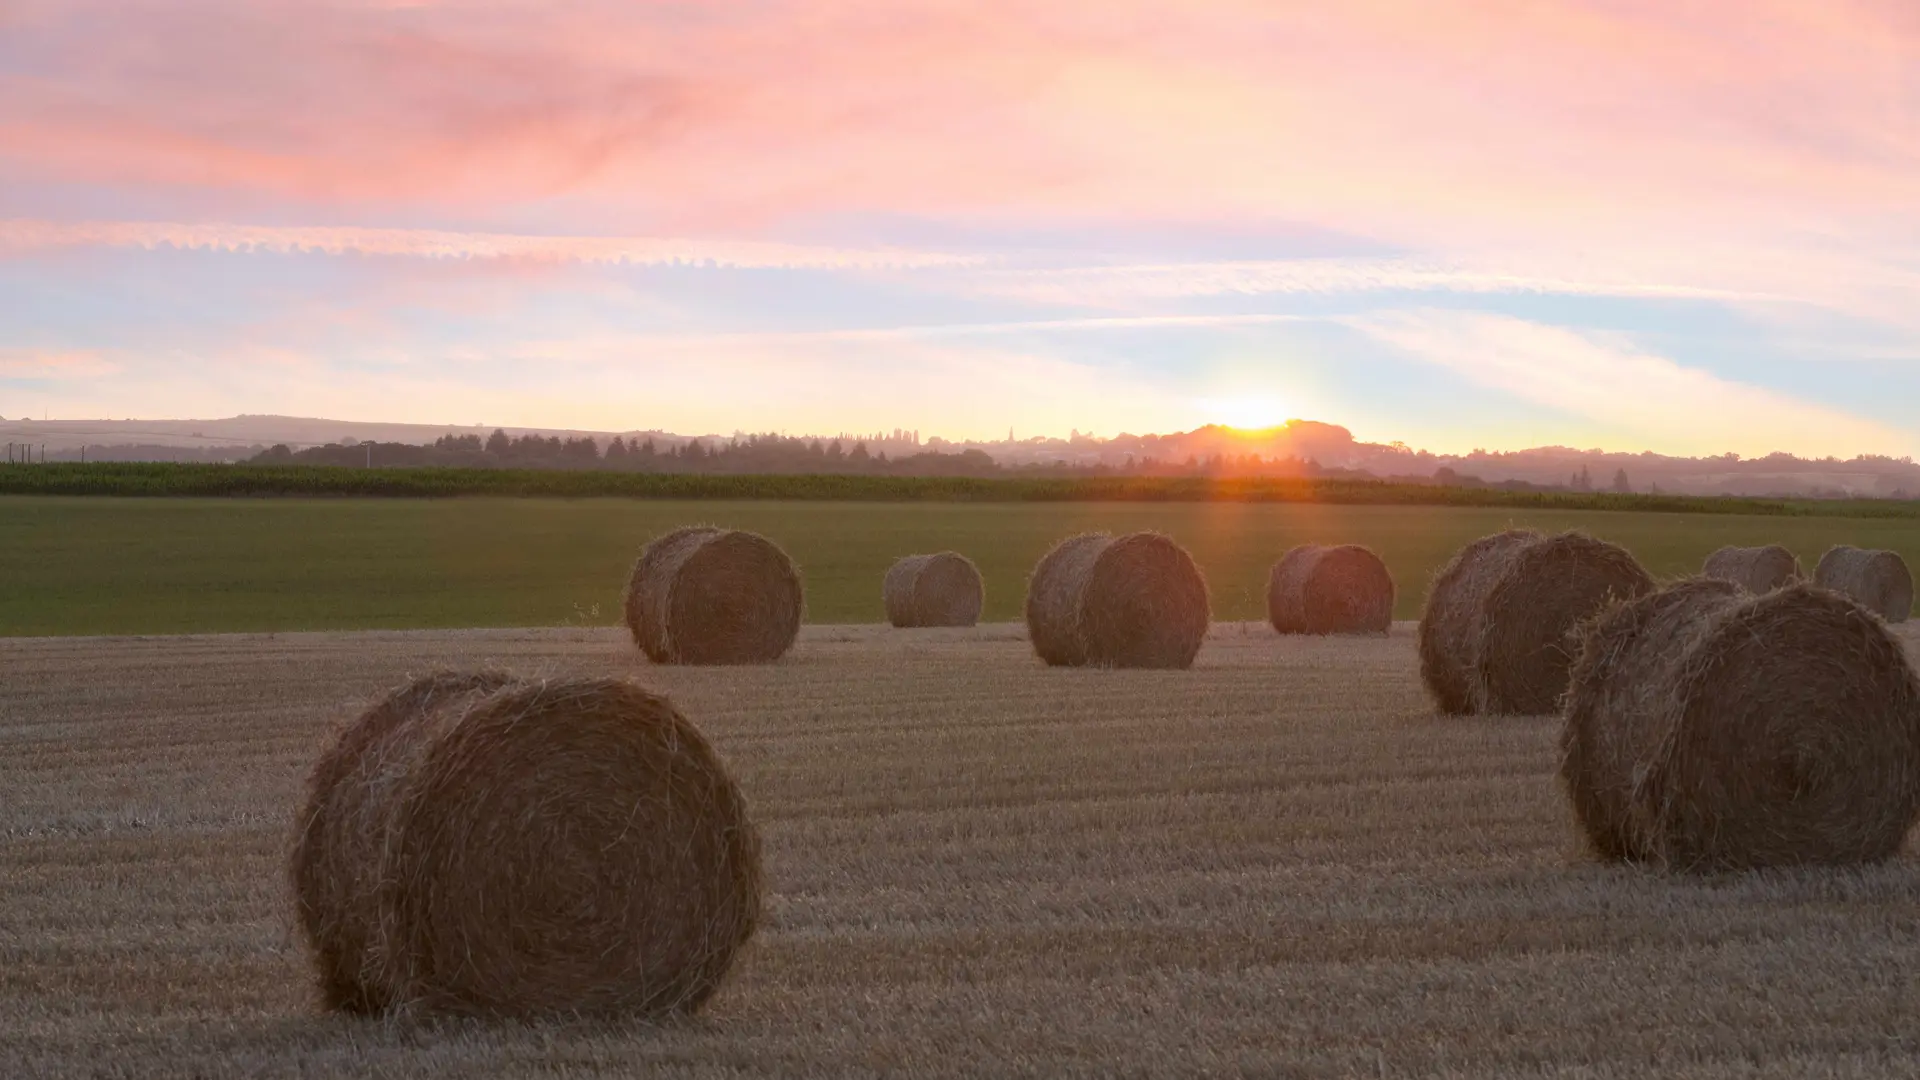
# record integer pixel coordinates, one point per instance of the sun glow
(1247, 412)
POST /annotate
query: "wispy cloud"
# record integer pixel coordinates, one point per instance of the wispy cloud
(60, 364)
(1634, 394)
(19, 237)
(1770, 282)
(577, 346)
(1121, 286)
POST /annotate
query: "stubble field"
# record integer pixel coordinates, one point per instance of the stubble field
(1277, 863)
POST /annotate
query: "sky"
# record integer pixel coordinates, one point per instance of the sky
(1683, 226)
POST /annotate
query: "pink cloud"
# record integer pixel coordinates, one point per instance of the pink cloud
(1396, 117)
(323, 102)
(659, 111)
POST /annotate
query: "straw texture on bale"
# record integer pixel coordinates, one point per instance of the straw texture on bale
(1134, 601)
(702, 595)
(476, 844)
(1755, 569)
(1877, 580)
(1330, 590)
(336, 866)
(1709, 727)
(933, 590)
(1452, 614)
(1495, 634)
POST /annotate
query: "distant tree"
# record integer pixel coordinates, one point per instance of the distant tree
(1620, 483)
(617, 449)
(859, 454)
(581, 449)
(835, 452)
(647, 450)
(498, 443)
(1445, 475)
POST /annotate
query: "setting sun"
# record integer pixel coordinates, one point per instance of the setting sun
(1248, 412)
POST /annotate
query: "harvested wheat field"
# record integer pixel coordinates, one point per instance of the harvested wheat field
(1278, 862)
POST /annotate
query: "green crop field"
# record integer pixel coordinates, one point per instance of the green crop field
(131, 479)
(72, 565)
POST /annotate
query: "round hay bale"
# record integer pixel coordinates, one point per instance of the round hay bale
(933, 590)
(1451, 616)
(702, 595)
(525, 848)
(1708, 727)
(1610, 686)
(335, 865)
(1877, 580)
(1755, 569)
(1330, 590)
(1134, 601)
(1502, 616)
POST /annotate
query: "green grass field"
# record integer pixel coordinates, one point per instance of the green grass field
(133, 479)
(174, 565)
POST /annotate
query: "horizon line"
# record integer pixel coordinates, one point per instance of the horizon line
(917, 437)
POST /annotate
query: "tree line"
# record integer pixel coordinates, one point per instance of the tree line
(776, 455)
(769, 454)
